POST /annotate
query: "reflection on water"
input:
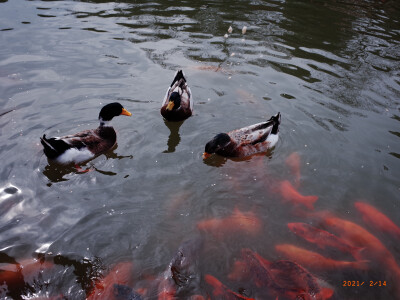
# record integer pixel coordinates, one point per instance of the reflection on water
(56, 172)
(174, 138)
(332, 68)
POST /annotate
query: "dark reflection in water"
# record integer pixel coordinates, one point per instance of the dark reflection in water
(174, 137)
(56, 172)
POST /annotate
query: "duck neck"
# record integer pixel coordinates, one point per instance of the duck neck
(104, 123)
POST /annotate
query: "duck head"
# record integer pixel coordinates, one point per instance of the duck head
(220, 141)
(112, 110)
(174, 101)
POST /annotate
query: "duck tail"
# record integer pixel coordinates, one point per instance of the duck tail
(53, 147)
(178, 76)
(276, 121)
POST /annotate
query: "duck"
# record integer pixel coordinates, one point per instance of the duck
(85, 145)
(246, 141)
(178, 103)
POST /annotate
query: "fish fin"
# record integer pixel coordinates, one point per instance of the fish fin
(326, 293)
(361, 264)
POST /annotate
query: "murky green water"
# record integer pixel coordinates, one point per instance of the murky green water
(332, 68)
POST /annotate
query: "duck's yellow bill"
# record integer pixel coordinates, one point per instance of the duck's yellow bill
(206, 155)
(126, 113)
(170, 105)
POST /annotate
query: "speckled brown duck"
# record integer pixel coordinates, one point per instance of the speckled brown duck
(246, 141)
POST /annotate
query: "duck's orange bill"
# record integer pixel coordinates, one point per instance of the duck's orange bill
(125, 112)
(206, 155)
(170, 105)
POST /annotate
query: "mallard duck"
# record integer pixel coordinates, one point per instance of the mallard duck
(178, 103)
(86, 144)
(246, 141)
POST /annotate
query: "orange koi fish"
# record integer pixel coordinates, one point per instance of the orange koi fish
(323, 238)
(357, 236)
(120, 274)
(222, 292)
(290, 194)
(316, 261)
(377, 219)
(238, 222)
(293, 161)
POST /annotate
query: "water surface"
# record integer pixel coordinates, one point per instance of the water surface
(332, 68)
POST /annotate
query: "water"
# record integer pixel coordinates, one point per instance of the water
(330, 67)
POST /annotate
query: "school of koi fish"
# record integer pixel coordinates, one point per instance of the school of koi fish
(295, 278)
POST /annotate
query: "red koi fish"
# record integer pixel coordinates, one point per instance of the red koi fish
(316, 261)
(222, 292)
(290, 194)
(120, 274)
(293, 161)
(323, 238)
(238, 222)
(377, 219)
(357, 236)
(283, 278)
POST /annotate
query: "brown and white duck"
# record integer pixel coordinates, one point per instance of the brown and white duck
(178, 103)
(246, 141)
(86, 144)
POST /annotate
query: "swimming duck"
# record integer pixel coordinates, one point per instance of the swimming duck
(178, 103)
(245, 141)
(86, 144)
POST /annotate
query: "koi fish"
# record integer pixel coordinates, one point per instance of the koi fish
(317, 261)
(184, 264)
(222, 292)
(182, 270)
(323, 238)
(377, 219)
(293, 161)
(357, 236)
(290, 194)
(284, 278)
(120, 274)
(238, 222)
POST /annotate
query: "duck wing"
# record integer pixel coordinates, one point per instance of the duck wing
(252, 135)
(95, 140)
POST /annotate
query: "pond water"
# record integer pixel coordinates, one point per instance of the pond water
(331, 68)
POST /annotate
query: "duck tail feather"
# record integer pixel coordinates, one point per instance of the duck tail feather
(276, 120)
(53, 147)
(178, 76)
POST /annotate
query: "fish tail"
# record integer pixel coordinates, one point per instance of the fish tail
(356, 252)
(361, 264)
(309, 201)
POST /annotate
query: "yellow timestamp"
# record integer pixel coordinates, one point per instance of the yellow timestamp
(364, 283)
